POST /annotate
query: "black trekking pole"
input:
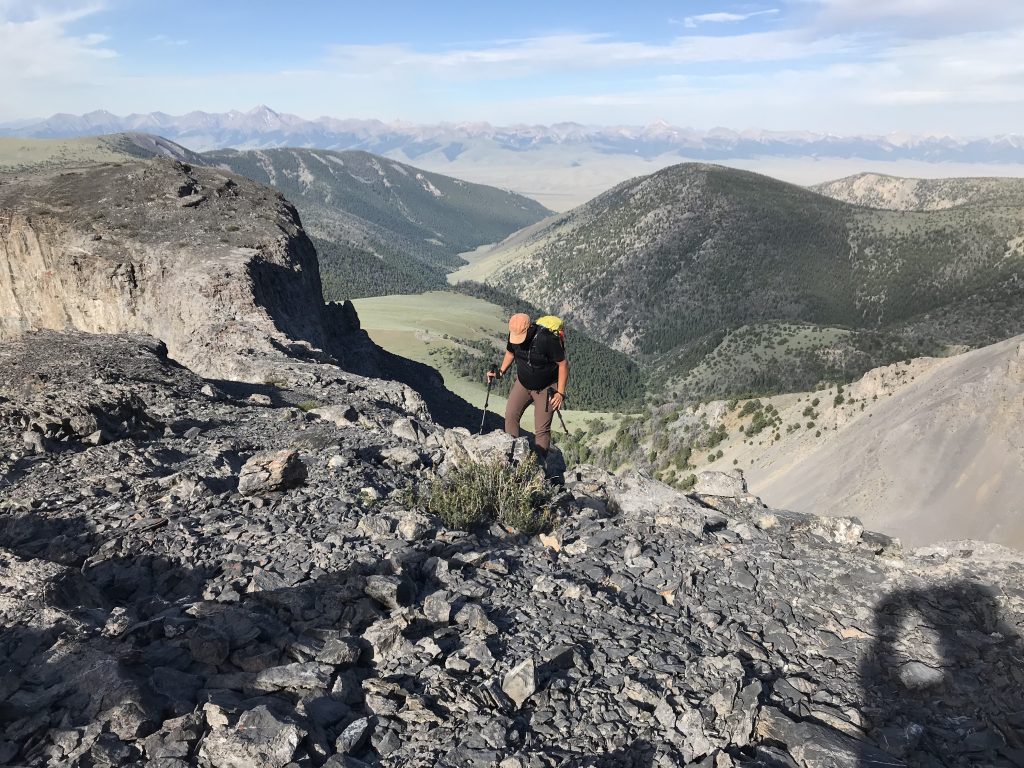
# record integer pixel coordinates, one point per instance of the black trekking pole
(490, 381)
(551, 392)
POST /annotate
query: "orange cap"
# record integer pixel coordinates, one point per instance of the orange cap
(517, 327)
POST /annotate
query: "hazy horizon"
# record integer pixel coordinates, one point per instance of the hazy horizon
(841, 67)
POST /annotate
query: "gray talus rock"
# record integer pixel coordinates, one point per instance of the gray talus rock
(354, 736)
(271, 471)
(339, 415)
(494, 446)
(916, 675)
(209, 645)
(390, 591)
(520, 683)
(260, 740)
(816, 746)
(713, 483)
(636, 497)
(292, 677)
(386, 638)
(413, 526)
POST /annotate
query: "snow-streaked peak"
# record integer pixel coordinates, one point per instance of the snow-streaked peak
(264, 127)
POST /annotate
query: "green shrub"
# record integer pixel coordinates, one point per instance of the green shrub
(308, 405)
(750, 407)
(477, 494)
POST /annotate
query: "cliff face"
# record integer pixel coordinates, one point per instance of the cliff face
(214, 265)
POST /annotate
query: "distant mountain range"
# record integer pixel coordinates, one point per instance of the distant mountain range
(262, 127)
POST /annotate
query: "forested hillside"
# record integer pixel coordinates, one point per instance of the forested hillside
(383, 227)
(668, 266)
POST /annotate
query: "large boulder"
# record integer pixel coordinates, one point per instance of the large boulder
(711, 483)
(463, 448)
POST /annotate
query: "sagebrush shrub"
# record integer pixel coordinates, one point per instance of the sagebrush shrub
(475, 494)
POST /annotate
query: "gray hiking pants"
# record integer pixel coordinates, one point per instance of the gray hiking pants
(519, 400)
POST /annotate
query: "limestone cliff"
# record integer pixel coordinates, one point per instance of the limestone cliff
(212, 264)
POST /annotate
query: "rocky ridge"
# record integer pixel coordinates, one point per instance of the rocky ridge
(153, 614)
(214, 265)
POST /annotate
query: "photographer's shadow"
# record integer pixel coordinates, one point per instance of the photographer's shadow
(944, 681)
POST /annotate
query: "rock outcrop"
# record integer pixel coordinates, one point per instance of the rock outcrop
(212, 264)
(152, 614)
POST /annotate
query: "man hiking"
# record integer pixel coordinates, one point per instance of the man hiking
(542, 373)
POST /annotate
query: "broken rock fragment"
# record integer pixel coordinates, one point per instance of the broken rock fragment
(271, 471)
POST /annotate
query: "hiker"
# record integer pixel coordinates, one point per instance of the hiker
(542, 372)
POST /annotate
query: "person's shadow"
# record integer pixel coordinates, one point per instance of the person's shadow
(944, 681)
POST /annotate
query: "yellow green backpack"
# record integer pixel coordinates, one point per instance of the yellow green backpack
(553, 324)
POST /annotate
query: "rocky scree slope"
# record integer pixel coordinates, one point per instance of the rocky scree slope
(939, 459)
(660, 266)
(153, 614)
(214, 265)
(927, 450)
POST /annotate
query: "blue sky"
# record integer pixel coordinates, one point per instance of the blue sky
(842, 66)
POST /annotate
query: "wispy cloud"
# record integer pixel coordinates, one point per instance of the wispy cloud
(561, 53)
(36, 44)
(724, 17)
(168, 41)
(916, 18)
(841, 65)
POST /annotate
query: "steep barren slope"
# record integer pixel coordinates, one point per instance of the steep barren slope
(928, 449)
(941, 458)
(214, 265)
(383, 226)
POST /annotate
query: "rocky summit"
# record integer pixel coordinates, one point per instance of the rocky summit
(216, 266)
(221, 575)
